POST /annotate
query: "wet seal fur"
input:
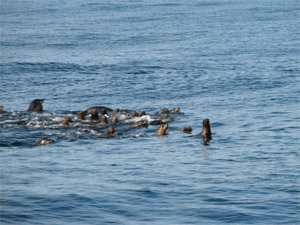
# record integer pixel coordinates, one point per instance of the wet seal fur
(36, 105)
(97, 108)
(1, 107)
(187, 129)
(161, 130)
(42, 141)
(175, 110)
(94, 115)
(110, 133)
(103, 120)
(140, 123)
(114, 119)
(116, 111)
(81, 116)
(205, 132)
(134, 114)
(67, 121)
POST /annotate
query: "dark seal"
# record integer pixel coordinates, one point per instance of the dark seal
(98, 109)
(36, 105)
(42, 141)
(94, 115)
(205, 132)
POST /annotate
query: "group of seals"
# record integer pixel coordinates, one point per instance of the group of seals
(36, 106)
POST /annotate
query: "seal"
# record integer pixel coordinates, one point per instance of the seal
(156, 122)
(111, 130)
(114, 119)
(161, 130)
(67, 121)
(164, 110)
(116, 111)
(103, 112)
(42, 141)
(143, 113)
(110, 133)
(187, 129)
(134, 114)
(140, 123)
(94, 115)
(36, 105)
(103, 120)
(205, 132)
(81, 116)
(98, 109)
(175, 110)
(164, 116)
(1, 107)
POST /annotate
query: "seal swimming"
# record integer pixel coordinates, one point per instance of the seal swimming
(81, 116)
(43, 141)
(36, 105)
(187, 129)
(94, 115)
(161, 130)
(206, 131)
(98, 109)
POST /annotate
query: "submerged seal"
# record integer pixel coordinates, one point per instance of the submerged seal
(81, 116)
(110, 133)
(103, 112)
(175, 110)
(164, 110)
(140, 123)
(36, 105)
(116, 111)
(164, 116)
(1, 107)
(103, 120)
(114, 119)
(98, 109)
(94, 115)
(134, 114)
(67, 121)
(187, 129)
(161, 130)
(42, 141)
(143, 113)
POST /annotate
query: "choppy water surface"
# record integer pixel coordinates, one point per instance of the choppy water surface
(234, 62)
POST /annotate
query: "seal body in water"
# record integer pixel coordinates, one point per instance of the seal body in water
(98, 109)
(205, 132)
(42, 141)
(36, 105)
(94, 115)
(161, 130)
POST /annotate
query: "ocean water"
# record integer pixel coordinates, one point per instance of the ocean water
(234, 62)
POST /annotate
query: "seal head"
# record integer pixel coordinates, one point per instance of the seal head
(94, 115)
(36, 105)
(161, 130)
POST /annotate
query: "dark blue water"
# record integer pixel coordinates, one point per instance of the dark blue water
(234, 62)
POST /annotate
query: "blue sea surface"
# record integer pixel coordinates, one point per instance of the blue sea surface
(234, 62)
